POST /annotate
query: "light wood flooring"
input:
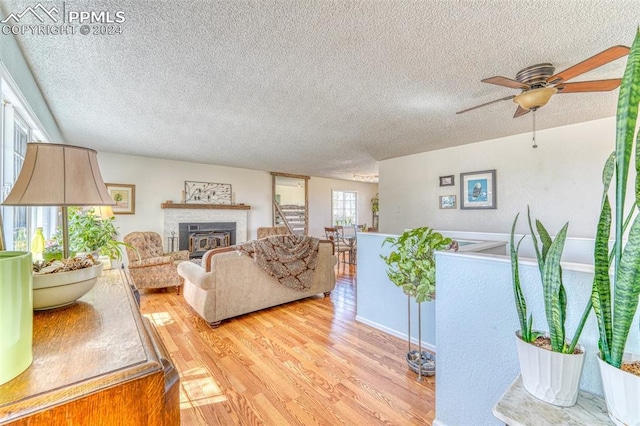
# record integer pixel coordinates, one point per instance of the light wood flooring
(303, 363)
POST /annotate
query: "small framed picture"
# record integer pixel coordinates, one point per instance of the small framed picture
(478, 190)
(448, 202)
(447, 180)
(125, 197)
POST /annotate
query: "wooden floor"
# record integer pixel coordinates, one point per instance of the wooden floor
(303, 363)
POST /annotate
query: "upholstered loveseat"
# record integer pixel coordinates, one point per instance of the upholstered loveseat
(229, 284)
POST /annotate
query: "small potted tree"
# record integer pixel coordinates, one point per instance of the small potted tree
(91, 234)
(550, 365)
(616, 307)
(412, 267)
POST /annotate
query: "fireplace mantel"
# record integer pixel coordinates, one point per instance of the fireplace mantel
(205, 206)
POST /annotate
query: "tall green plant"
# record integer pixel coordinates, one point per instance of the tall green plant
(548, 254)
(411, 263)
(526, 321)
(615, 315)
(88, 233)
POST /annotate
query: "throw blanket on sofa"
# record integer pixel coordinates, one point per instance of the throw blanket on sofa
(291, 259)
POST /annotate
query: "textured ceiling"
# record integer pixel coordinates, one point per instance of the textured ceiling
(322, 88)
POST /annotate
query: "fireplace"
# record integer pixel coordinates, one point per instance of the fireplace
(199, 237)
(175, 214)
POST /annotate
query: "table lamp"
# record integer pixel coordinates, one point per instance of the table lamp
(59, 175)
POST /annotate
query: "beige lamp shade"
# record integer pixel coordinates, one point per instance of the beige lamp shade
(59, 175)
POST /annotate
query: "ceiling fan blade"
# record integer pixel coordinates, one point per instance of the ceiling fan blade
(520, 111)
(507, 82)
(611, 54)
(589, 86)
(506, 98)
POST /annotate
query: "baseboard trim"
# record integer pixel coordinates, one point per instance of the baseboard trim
(396, 333)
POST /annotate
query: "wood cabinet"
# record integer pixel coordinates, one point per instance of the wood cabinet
(97, 361)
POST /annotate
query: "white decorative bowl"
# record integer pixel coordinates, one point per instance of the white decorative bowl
(63, 288)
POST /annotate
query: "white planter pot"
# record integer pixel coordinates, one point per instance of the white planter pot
(621, 392)
(550, 376)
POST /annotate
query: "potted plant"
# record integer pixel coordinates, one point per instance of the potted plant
(550, 365)
(412, 267)
(91, 234)
(53, 250)
(616, 307)
(375, 208)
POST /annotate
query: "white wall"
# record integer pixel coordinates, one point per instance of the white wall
(159, 180)
(475, 325)
(560, 180)
(382, 305)
(12, 59)
(320, 211)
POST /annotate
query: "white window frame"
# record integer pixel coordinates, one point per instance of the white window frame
(16, 111)
(353, 220)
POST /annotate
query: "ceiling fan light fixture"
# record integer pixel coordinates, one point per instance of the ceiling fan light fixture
(535, 98)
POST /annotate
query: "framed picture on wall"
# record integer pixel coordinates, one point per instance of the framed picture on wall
(447, 180)
(478, 190)
(125, 197)
(207, 192)
(448, 202)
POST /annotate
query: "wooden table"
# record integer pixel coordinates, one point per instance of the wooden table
(517, 407)
(97, 361)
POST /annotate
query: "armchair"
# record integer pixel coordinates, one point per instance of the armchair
(149, 265)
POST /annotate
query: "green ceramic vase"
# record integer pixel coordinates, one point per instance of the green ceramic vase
(16, 313)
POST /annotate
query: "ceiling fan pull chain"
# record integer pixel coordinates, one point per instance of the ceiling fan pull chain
(535, 145)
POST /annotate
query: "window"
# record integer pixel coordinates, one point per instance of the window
(344, 207)
(19, 126)
(20, 219)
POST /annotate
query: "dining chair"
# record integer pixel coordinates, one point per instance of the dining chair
(347, 236)
(340, 246)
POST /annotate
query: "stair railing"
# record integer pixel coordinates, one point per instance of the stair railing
(280, 213)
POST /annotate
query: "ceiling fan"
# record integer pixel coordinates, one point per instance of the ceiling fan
(539, 83)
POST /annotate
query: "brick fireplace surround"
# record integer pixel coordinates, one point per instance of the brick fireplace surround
(175, 214)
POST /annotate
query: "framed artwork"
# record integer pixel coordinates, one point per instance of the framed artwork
(448, 202)
(447, 180)
(478, 190)
(125, 197)
(207, 192)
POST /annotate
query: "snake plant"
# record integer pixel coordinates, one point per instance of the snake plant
(548, 253)
(615, 314)
(412, 264)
